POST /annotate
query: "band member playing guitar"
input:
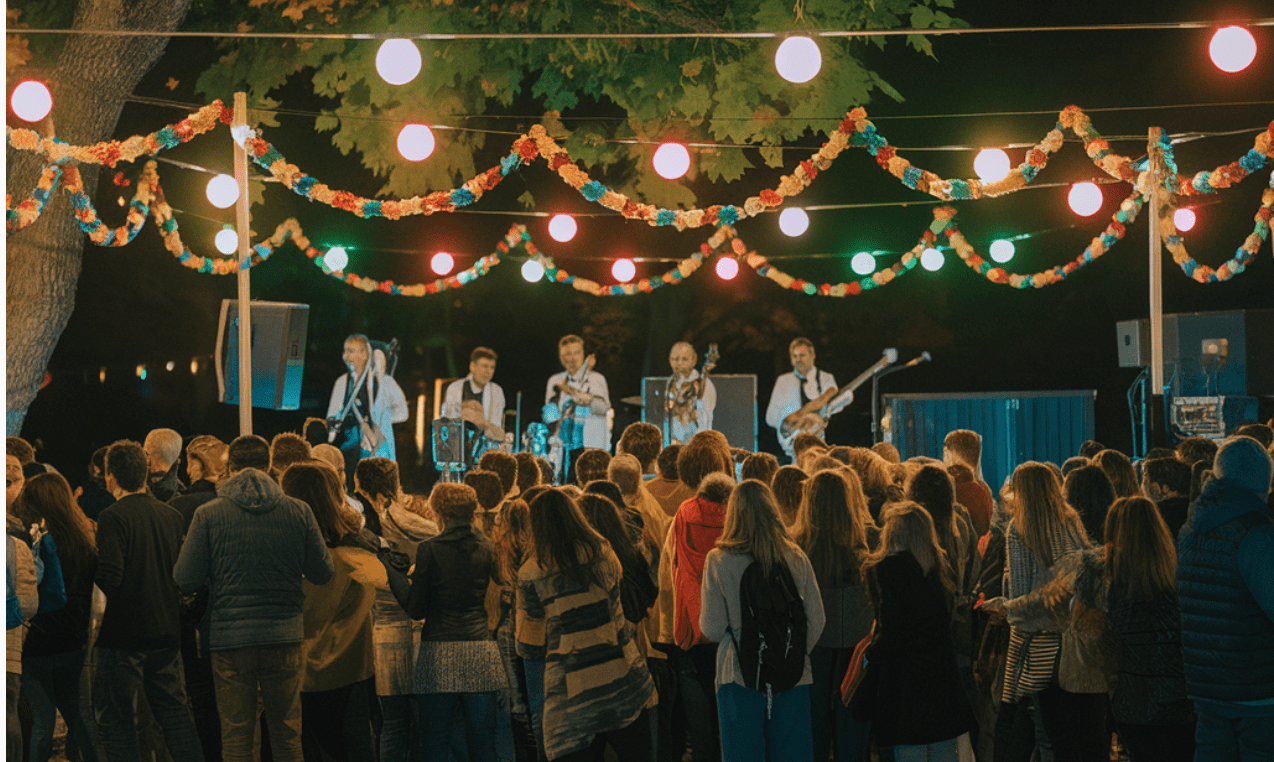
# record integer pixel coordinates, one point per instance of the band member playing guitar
(365, 404)
(797, 395)
(691, 396)
(579, 399)
(476, 398)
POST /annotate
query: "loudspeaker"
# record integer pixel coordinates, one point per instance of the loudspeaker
(1134, 343)
(734, 416)
(1194, 371)
(278, 353)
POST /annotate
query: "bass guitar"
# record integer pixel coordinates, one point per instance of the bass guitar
(812, 417)
(681, 399)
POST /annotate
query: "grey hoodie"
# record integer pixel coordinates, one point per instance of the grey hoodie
(251, 546)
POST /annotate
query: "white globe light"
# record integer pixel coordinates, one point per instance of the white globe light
(31, 101)
(562, 227)
(336, 258)
(532, 271)
(798, 59)
(170, 365)
(1084, 199)
(793, 221)
(1232, 49)
(623, 270)
(415, 142)
(671, 161)
(398, 61)
(194, 366)
(227, 241)
(727, 268)
(441, 263)
(1002, 250)
(992, 165)
(863, 263)
(932, 260)
(222, 191)
(1184, 219)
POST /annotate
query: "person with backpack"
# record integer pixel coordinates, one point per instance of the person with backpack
(761, 602)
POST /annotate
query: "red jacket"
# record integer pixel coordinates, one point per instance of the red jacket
(695, 529)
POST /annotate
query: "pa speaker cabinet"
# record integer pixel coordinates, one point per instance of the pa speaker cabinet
(1134, 343)
(278, 353)
(734, 416)
(1247, 369)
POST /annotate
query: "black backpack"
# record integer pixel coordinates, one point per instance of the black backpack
(771, 645)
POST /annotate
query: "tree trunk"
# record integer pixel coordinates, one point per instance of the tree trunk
(93, 76)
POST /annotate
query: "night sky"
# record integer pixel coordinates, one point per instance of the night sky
(136, 305)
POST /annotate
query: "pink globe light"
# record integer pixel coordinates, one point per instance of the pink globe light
(1084, 199)
(1184, 219)
(671, 161)
(562, 227)
(623, 270)
(1232, 49)
(727, 268)
(442, 263)
(415, 142)
(31, 100)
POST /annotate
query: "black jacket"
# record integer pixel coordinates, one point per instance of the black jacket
(138, 539)
(449, 586)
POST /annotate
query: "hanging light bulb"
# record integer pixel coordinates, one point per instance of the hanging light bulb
(441, 263)
(194, 366)
(1184, 219)
(31, 100)
(227, 241)
(222, 191)
(1084, 199)
(1002, 250)
(562, 227)
(415, 142)
(398, 61)
(863, 263)
(623, 270)
(141, 372)
(336, 258)
(932, 260)
(671, 161)
(798, 59)
(532, 271)
(992, 165)
(1232, 49)
(794, 221)
(101, 376)
(727, 268)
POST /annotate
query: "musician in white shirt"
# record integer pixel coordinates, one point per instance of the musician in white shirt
(683, 391)
(793, 390)
(479, 387)
(580, 395)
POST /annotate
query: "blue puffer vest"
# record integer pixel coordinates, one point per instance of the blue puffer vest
(1227, 641)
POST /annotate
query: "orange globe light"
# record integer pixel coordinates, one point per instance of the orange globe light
(1232, 49)
(1084, 199)
(31, 100)
(415, 142)
(442, 263)
(727, 268)
(671, 161)
(562, 228)
(623, 270)
(1184, 219)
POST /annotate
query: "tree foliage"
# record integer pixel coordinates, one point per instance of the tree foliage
(694, 89)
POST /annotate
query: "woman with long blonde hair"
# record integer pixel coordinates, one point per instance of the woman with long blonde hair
(913, 693)
(757, 724)
(832, 530)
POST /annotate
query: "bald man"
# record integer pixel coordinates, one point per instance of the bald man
(689, 412)
(163, 449)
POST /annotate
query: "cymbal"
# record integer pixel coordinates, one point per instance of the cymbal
(635, 400)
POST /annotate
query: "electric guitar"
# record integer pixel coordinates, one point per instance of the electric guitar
(563, 436)
(811, 418)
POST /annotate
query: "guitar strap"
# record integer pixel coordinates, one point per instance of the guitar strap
(818, 387)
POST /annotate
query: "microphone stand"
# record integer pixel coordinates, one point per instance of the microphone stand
(875, 391)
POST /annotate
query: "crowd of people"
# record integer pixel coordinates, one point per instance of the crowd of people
(679, 602)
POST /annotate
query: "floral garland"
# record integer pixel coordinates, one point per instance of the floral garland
(98, 232)
(167, 225)
(884, 277)
(517, 236)
(451, 282)
(1236, 264)
(1128, 210)
(111, 152)
(30, 208)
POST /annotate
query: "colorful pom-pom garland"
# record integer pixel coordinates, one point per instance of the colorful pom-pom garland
(517, 235)
(1242, 257)
(111, 152)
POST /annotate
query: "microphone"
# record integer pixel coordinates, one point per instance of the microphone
(924, 357)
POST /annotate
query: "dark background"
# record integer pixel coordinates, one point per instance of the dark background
(137, 305)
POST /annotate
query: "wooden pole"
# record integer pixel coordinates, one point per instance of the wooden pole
(1155, 167)
(242, 224)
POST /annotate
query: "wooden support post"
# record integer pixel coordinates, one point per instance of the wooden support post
(242, 227)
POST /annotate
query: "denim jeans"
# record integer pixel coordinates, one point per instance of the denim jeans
(748, 735)
(121, 675)
(535, 701)
(833, 725)
(13, 687)
(274, 672)
(479, 723)
(1220, 737)
(397, 714)
(943, 751)
(335, 723)
(51, 684)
